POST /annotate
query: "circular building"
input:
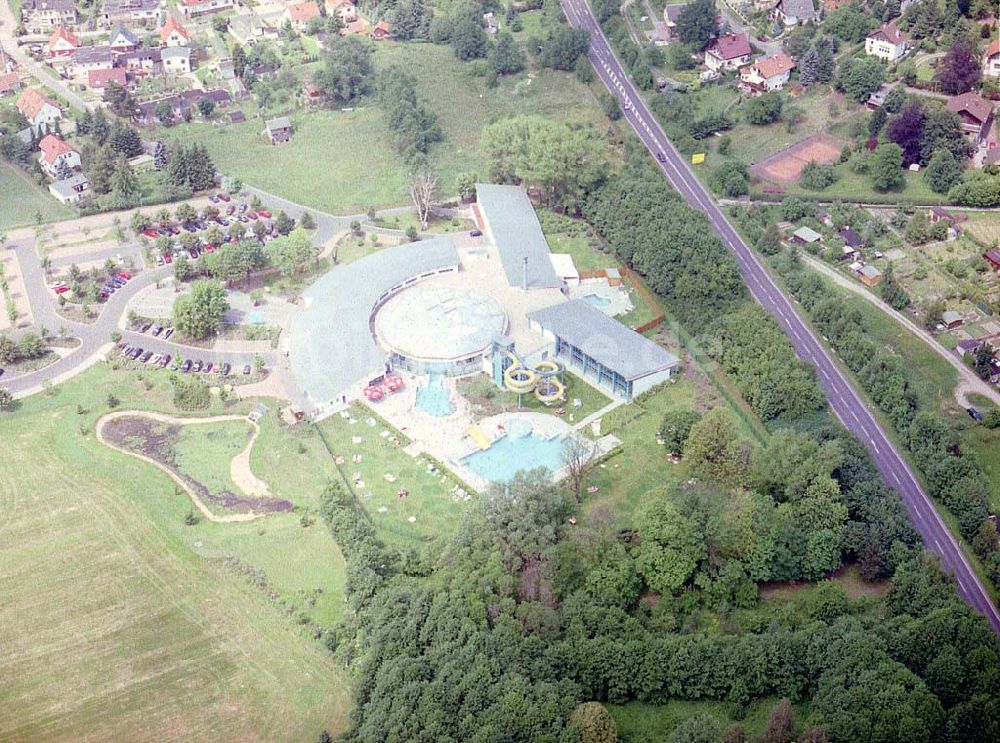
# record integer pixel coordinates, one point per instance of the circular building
(445, 330)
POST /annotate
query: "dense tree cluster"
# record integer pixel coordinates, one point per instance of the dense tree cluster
(413, 125)
(199, 313)
(347, 69)
(191, 168)
(859, 78)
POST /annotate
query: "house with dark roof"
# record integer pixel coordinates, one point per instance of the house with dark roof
(975, 113)
(609, 354)
(795, 12)
(887, 43)
(993, 258)
(122, 40)
(120, 12)
(278, 130)
(176, 60)
(89, 58)
(729, 52)
(851, 238)
(968, 346)
(72, 190)
(143, 62)
(42, 16)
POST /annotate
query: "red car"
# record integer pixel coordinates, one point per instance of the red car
(151, 233)
(264, 213)
(209, 248)
(61, 289)
(168, 257)
(125, 276)
(251, 215)
(223, 196)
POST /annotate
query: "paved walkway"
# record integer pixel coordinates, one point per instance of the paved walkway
(969, 380)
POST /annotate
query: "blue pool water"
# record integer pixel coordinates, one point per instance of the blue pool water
(256, 317)
(433, 398)
(501, 461)
(597, 300)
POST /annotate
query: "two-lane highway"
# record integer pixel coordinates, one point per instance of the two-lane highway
(843, 399)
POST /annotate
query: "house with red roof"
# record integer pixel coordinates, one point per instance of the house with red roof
(9, 83)
(173, 33)
(887, 43)
(381, 31)
(100, 79)
(767, 74)
(991, 60)
(57, 154)
(62, 43)
(729, 52)
(976, 114)
(37, 109)
(299, 14)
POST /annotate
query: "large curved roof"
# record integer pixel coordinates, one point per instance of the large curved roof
(439, 323)
(330, 344)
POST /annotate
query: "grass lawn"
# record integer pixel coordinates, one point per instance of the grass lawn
(204, 452)
(651, 723)
(121, 623)
(429, 502)
(984, 445)
(851, 186)
(982, 226)
(21, 201)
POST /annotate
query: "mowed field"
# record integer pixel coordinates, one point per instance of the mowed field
(118, 622)
(21, 200)
(344, 162)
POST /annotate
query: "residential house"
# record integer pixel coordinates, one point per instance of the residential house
(278, 130)
(795, 12)
(806, 236)
(131, 12)
(312, 95)
(968, 346)
(767, 74)
(870, 276)
(89, 58)
(346, 9)
(9, 82)
(249, 28)
(299, 14)
(877, 98)
(143, 62)
(951, 319)
(176, 60)
(936, 214)
(991, 60)
(993, 258)
(7, 63)
(41, 112)
(62, 43)
(100, 79)
(887, 43)
(42, 16)
(173, 33)
(198, 8)
(72, 190)
(729, 52)
(357, 27)
(976, 114)
(237, 117)
(381, 31)
(180, 104)
(851, 239)
(57, 154)
(122, 41)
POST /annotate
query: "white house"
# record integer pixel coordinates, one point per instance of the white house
(41, 112)
(176, 60)
(767, 74)
(887, 43)
(173, 33)
(71, 190)
(728, 52)
(795, 12)
(196, 8)
(991, 60)
(57, 154)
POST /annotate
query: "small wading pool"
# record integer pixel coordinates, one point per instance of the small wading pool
(597, 300)
(433, 398)
(512, 453)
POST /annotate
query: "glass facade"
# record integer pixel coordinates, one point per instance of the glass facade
(594, 370)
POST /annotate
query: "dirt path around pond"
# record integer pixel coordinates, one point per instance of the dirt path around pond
(239, 468)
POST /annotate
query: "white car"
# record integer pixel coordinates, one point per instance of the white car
(57, 284)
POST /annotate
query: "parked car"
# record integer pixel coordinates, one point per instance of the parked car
(209, 248)
(213, 199)
(124, 275)
(223, 221)
(661, 157)
(136, 353)
(154, 358)
(168, 257)
(264, 213)
(1, 372)
(151, 233)
(109, 289)
(246, 369)
(226, 368)
(196, 367)
(186, 367)
(157, 330)
(223, 196)
(243, 208)
(126, 350)
(145, 326)
(251, 215)
(194, 253)
(168, 332)
(974, 414)
(164, 360)
(476, 233)
(118, 281)
(189, 227)
(159, 260)
(208, 367)
(61, 289)
(163, 230)
(230, 209)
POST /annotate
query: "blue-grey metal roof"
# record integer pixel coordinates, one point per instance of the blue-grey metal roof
(330, 343)
(604, 339)
(517, 233)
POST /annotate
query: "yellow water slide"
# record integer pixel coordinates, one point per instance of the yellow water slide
(480, 438)
(541, 380)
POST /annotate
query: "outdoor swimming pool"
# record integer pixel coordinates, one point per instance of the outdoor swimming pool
(433, 398)
(597, 300)
(501, 461)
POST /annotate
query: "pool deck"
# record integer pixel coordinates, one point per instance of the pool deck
(619, 302)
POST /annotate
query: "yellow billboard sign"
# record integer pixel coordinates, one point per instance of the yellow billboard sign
(697, 158)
